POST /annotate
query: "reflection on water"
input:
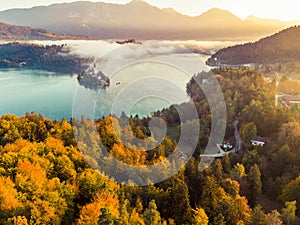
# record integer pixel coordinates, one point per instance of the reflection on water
(140, 88)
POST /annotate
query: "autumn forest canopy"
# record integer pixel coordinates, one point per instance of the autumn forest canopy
(47, 176)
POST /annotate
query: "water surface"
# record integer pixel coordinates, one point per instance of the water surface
(136, 88)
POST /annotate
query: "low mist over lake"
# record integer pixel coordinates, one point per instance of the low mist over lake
(52, 94)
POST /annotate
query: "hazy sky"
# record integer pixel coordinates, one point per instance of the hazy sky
(277, 9)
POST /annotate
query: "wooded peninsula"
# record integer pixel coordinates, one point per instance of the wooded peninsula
(54, 58)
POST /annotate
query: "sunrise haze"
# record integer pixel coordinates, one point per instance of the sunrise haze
(284, 10)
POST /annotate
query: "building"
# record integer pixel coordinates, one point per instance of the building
(291, 100)
(182, 156)
(258, 141)
(227, 146)
(91, 79)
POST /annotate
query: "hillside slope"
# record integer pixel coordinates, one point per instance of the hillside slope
(13, 32)
(282, 47)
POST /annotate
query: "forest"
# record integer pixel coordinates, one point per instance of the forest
(48, 175)
(54, 58)
(279, 52)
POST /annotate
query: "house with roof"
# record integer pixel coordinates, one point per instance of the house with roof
(291, 100)
(258, 141)
(227, 145)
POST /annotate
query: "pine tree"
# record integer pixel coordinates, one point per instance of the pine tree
(139, 205)
(180, 210)
(226, 164)
(254, 179)
(151, 215)
(289, 212)
(211, 197)
(218, 170)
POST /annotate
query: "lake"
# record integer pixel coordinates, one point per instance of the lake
(140, 88)
(144, 78)
(43, 92)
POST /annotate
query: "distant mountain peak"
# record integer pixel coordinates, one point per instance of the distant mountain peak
(217, 11)
(217, 14)
(252, 17)
(170, 10)
(138, 2)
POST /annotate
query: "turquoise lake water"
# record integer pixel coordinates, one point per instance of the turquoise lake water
(56, 96)
(144, 78)
(43, 92)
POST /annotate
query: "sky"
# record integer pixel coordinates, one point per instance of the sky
(275, 9)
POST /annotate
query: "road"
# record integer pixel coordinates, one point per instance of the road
(237, 136)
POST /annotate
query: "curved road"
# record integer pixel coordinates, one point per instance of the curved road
(237, 136)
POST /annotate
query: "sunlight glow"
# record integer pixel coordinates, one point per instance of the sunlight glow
(283, 10)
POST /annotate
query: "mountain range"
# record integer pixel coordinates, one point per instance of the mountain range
(141, 20)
